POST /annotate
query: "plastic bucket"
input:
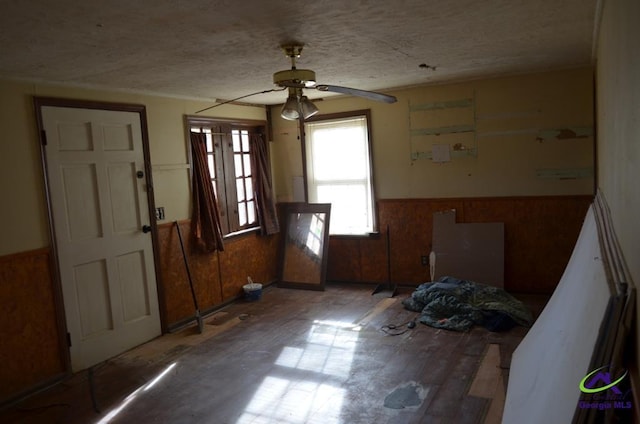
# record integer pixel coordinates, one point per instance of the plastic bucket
(252, 291)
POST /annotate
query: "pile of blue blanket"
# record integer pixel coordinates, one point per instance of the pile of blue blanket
(459, 305)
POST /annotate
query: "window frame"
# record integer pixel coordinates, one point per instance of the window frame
(225, 178)
(366, 113)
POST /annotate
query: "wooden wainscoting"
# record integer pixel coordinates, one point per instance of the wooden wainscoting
(30, 344)
(540, 233)
(177, 301)
(217, 277)
(251, 255)
(32, 349)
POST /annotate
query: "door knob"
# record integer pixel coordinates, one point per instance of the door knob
(146, 228)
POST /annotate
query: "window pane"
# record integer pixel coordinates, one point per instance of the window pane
(237, 161)
(349, 208)
(242, 214)
(209, 142)
(215, 189)
(240, 189)
(340, 158)
(212, 166)
(251, 212)
(339, 152)
(249, 186)
(235, 136)
(246, 158)
(245, 140)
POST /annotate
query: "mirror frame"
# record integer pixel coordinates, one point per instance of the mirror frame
(288, 210)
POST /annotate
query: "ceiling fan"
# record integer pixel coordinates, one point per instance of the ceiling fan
(297, 105)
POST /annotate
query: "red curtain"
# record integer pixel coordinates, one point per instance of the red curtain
(205, 220)
(261, 175)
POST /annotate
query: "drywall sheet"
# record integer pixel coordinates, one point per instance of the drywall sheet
(549, 363)
(470, 251)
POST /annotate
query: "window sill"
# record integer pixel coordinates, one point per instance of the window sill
(371, 235)
(240, 233)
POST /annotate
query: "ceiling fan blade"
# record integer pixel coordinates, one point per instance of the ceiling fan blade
(241, 97)
(356, 92)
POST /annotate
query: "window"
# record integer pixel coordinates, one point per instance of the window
(339, 170)
(229, 157)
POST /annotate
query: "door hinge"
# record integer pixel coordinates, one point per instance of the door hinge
(69, 339)
(43, 137)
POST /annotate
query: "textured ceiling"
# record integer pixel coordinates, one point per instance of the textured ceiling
(228, 48)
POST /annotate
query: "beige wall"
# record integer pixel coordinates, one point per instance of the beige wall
(21, 182)
(618, 93)
(507, 114)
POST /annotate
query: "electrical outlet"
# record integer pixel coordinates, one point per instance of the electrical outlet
(424, 260)
(160, 213)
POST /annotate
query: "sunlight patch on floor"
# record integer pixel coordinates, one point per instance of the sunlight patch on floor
(327, 357)
(279, 400)
(129, 399)
(329, 350)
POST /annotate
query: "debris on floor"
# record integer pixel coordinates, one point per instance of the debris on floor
(409, 394)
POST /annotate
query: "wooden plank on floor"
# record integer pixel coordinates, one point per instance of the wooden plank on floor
(488, 384)
(484, 383)
(380, 307)
(494, 415)
(188, 336)
(216, 318)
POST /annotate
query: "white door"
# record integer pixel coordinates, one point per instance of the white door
(99, 206)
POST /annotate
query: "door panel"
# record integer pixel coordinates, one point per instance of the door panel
(91, 286)
(118, 137)
(131, 270)
(74, 136)
(121, 180)
(80, 182)
(99, 206)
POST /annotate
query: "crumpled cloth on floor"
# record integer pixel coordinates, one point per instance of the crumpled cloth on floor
(458, 305)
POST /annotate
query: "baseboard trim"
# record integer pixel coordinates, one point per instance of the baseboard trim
(181, 324)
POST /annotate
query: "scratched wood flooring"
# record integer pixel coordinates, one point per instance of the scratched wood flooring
(292, 357)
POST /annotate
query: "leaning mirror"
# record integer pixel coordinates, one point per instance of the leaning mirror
(304, 245)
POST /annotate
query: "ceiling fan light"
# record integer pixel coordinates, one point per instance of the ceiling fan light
(307, 108)
(290, 109)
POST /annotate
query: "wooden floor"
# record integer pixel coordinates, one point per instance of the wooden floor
(292, 357)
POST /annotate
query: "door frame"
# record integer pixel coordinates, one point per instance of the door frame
(39, 103)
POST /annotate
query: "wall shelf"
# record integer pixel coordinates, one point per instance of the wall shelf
(564, 174)
(454, 154)
(443, 130)
(449, 122)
